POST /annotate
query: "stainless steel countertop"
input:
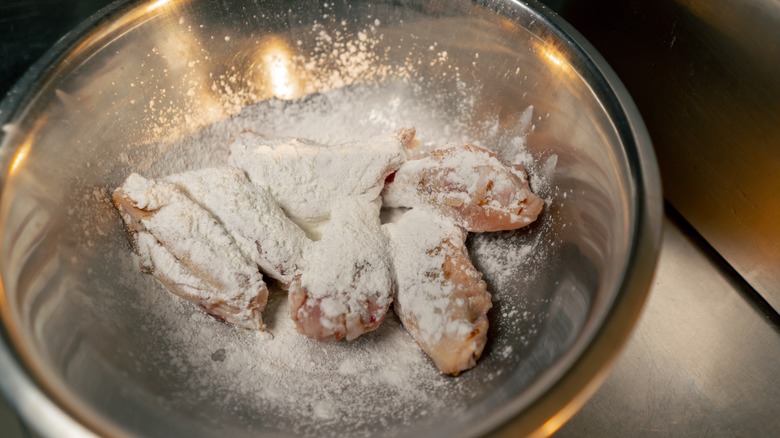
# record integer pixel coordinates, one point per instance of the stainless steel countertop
(704, 75)
(703, 361)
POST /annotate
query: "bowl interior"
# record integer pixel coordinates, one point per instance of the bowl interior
(163, 86)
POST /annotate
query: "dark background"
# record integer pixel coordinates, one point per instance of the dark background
(30, 27)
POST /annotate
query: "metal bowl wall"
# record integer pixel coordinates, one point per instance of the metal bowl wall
(115, 86)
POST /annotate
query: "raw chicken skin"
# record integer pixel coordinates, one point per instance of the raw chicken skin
(467, 184)
(345, 288)
(441, 298)
(190, 252)
(251, 216)
(307, 178)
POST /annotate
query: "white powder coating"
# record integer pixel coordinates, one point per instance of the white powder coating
(469, 185)
(302, 386)
(441, 298)
(306, 178)
(190, 252)
(345, 288)
(423, 294)
(250, 215)
(380, 381)
(340, 286)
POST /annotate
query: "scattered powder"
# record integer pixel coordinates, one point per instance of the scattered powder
(445, 314)
(280, 379)
(381, 380)
(307, 178)
(313, 388)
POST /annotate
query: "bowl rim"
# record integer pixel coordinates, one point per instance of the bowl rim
(553, 407)
(579, 382)
(36, 404)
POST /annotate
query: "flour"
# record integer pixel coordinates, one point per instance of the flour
(249, 213)
(307, 382)
(441, 298)
(190, 252)
(285, 381)
(307, 178)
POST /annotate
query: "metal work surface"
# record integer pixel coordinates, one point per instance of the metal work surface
(702, 362)
(704, 74)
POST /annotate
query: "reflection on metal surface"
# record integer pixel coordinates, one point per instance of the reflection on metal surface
(555, 423)
(705, 74)
(702, 360)
(22, 151)
(277, 68)
(157, 5)
(20, 156)
(555, 57)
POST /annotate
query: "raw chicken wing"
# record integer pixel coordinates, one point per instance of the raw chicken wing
(190, 253)
(345, 288)
(467, 184)
(251, 216)
(441, 298)
(306, 178)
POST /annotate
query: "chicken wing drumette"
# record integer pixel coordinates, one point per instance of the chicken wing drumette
(345, 288)
(441, 298)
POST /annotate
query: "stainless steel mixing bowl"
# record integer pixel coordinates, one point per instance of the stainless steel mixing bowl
(80, 354)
